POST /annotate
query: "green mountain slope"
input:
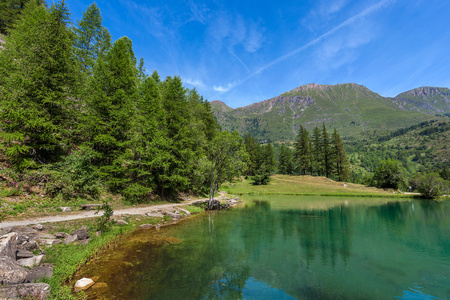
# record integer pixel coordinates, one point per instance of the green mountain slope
(351, 108)
(430, 100)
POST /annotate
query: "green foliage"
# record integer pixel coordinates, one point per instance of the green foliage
(389, 175)
(74, 177)
(38, 74)
(431, 186)
(104, 223)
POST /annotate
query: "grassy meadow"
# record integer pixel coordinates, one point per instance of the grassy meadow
(307, 185)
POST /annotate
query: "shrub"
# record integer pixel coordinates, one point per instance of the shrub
(431, 186)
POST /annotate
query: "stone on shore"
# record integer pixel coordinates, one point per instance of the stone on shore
(146, 226)
(11, 272)
(121, 222)
(188, 213)
(70, 239)
(40, 272)
(83, 284)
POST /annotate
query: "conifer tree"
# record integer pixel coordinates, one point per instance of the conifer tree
(38, 75)
(326, 152)
(10, 12)
(303, 151)
(91, 39)
(112, 105)
(317, 152)
(341, 168)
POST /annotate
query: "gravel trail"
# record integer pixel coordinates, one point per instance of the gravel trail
(91, 214)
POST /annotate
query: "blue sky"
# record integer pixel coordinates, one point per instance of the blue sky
(243, 51)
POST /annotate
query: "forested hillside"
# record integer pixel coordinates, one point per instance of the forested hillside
(80, 116)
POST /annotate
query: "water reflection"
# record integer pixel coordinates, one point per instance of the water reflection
(288, 247)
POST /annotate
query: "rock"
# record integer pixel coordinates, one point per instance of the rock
(65, 208)
(172, 215)
(99, 285)
(28, 246)
(121, 222)
(154, 214)
(61, 235)
(81, 233)
(23, 254)
(70, 239)
(188, 213)
(25, 291)
(31, 262)
(83, 284)
(22, 238)
(172, 240)
(146, 226)
(40, 272)
(84, 227)
(11, 272)
(38, 227)
(8, 245)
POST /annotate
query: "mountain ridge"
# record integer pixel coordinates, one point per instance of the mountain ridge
(349, 107)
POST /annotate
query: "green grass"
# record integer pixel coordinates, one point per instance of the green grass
(308, 185)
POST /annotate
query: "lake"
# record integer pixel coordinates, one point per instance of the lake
(287, 247)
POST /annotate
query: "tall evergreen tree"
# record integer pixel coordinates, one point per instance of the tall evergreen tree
(112, 105)
(317, 152)
(341, 168)
(38, 75)
(303, 151)
(326, 152)
(91, 39)
(10, 12)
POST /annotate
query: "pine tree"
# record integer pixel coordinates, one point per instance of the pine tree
(112, 104)
(10, 12)
(303, 151)
(38, 75)
(91, 39)
(317, 152)
(341, 169)
(326, 152)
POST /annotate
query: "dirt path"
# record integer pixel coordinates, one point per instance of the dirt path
(90, 214)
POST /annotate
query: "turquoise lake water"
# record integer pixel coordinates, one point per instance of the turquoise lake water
(288, 247)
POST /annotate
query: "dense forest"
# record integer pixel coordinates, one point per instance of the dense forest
(80, 115)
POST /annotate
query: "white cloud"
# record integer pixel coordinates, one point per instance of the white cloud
(194, 82)
(225, 88)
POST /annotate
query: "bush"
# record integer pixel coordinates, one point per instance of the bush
(389, 175)
(431, 186)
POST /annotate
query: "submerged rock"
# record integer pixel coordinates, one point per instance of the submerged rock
(172, 240)
(146, 226)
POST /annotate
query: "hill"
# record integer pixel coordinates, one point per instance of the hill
(425, 99)
(351, 108)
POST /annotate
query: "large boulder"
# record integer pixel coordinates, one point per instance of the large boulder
(25, 291)
(11, 272)
(8, 245)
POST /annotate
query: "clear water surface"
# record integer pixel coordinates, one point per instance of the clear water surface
(287, 247)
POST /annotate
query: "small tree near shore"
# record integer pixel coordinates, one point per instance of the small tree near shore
(227, 160)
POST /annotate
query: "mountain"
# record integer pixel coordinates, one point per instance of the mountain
(426, 99)
(350, 107)
(220, 106)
